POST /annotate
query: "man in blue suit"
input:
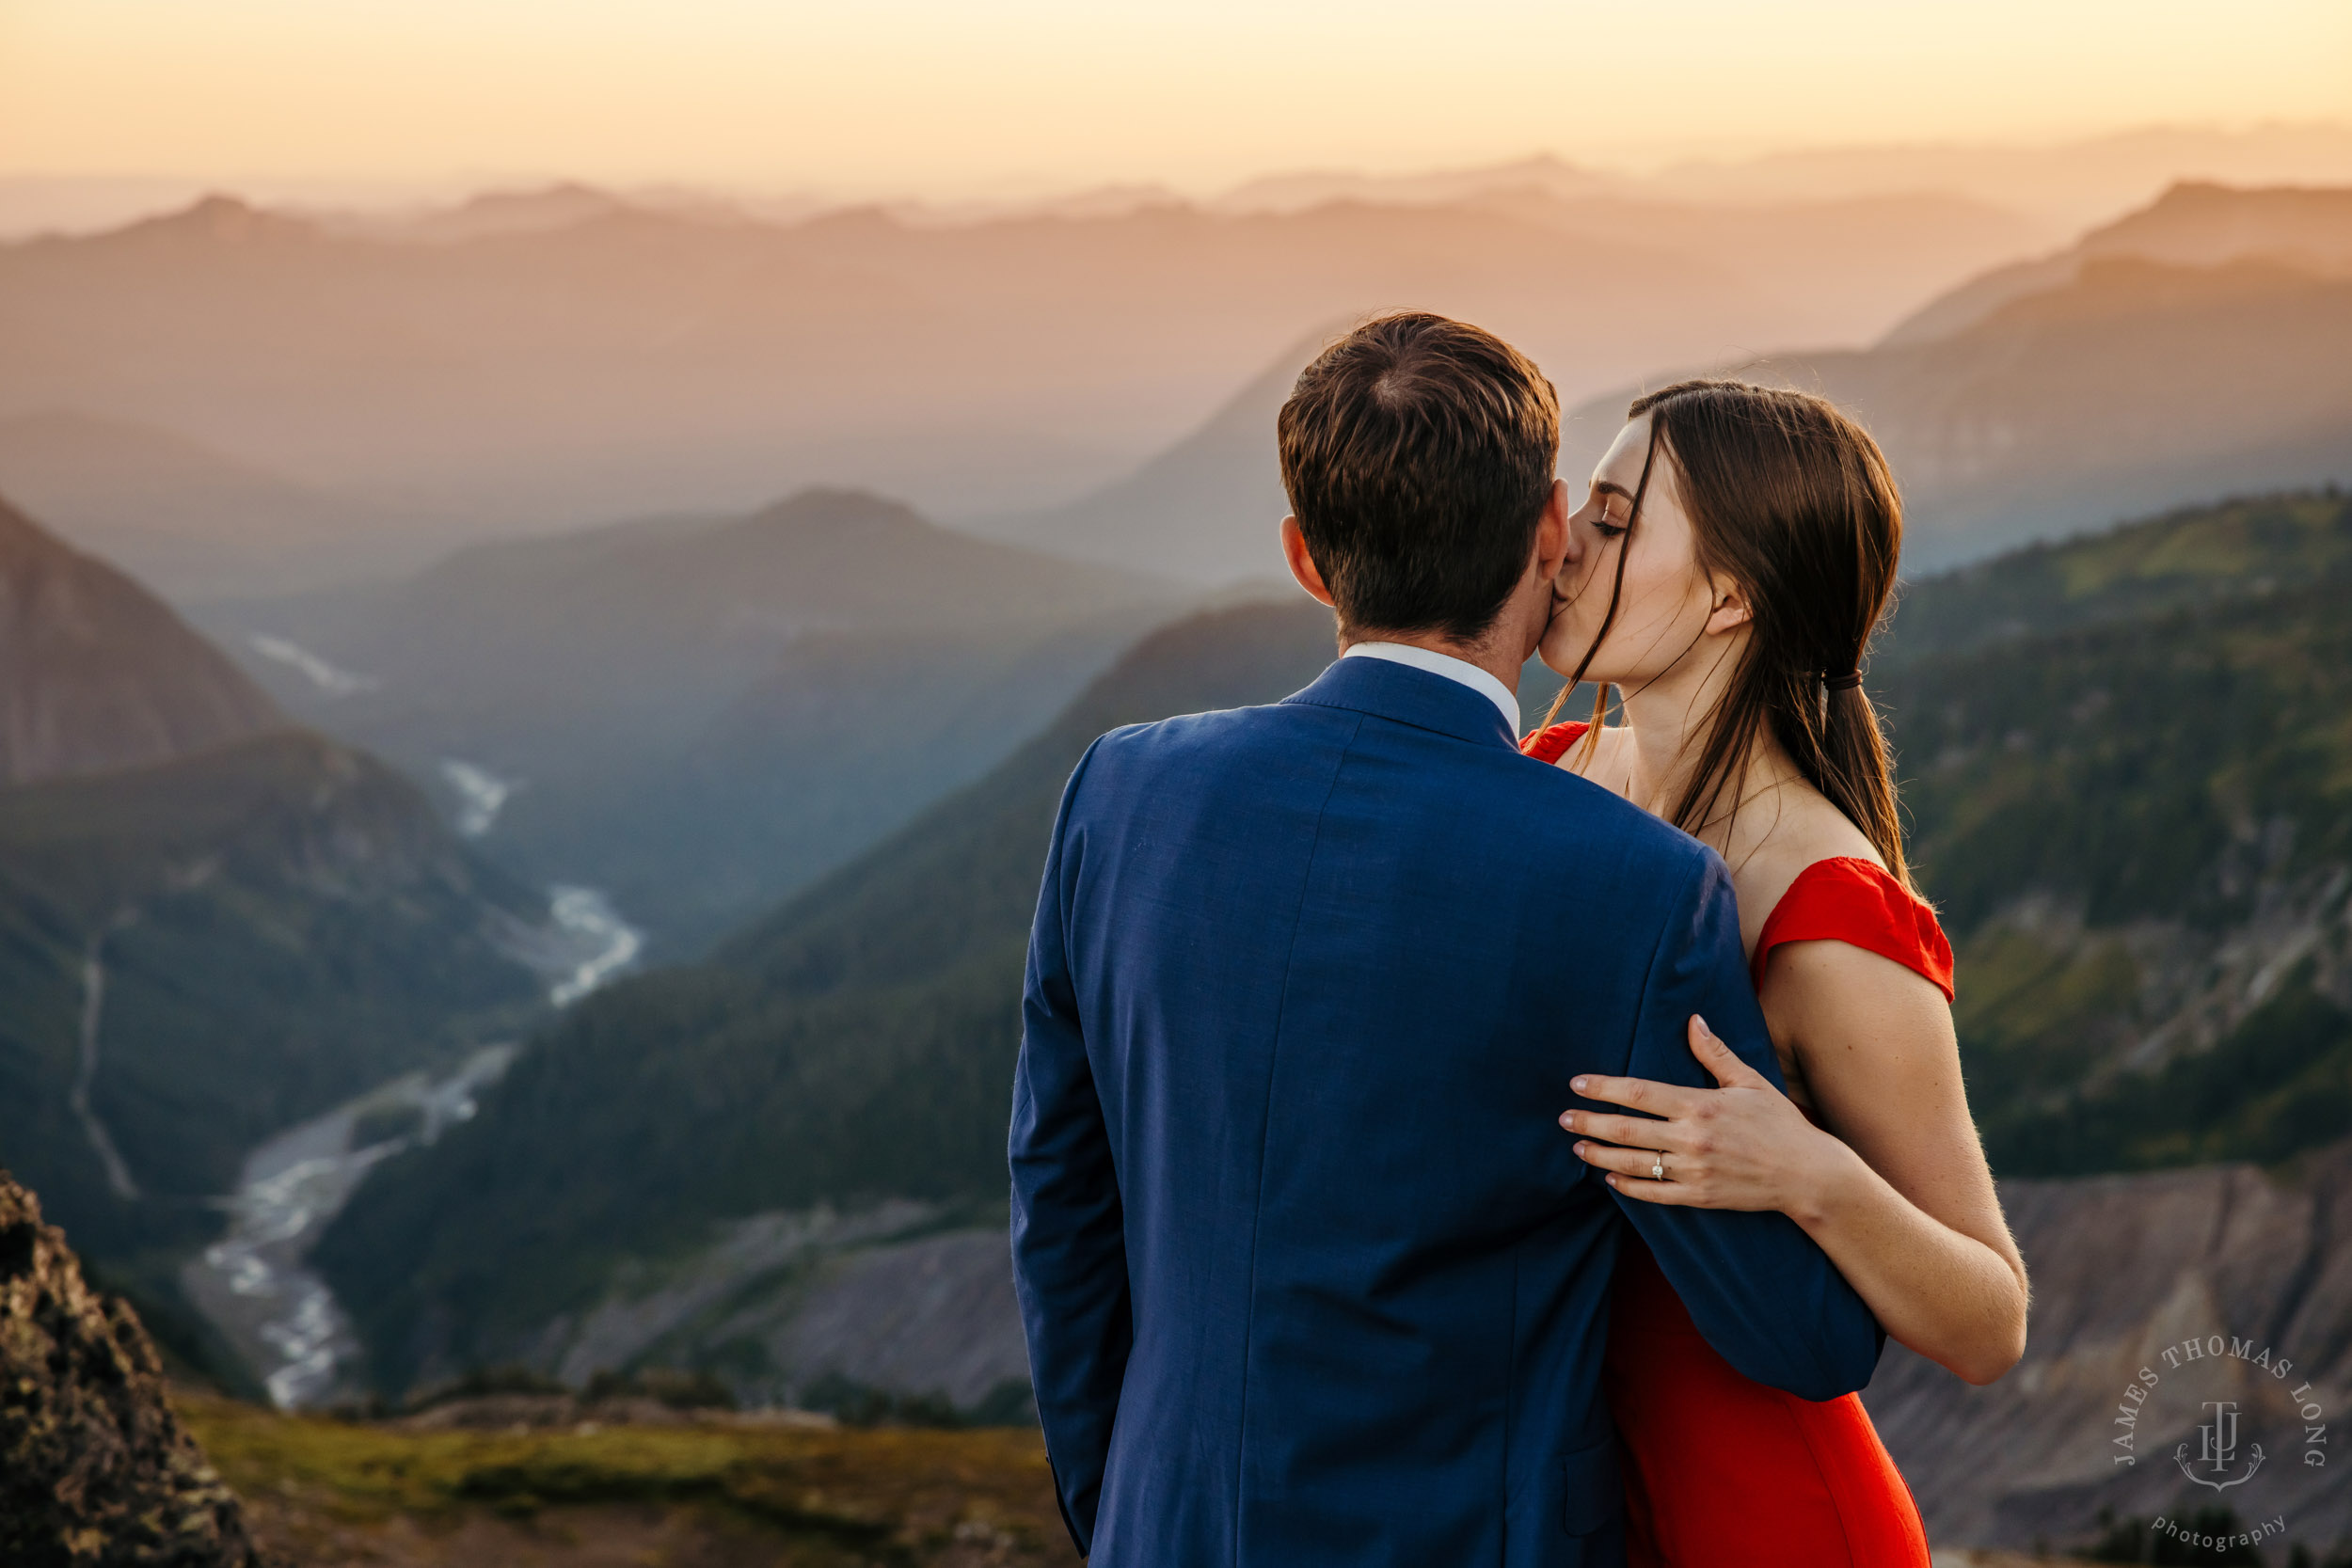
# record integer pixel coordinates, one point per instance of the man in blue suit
(1309, 1273)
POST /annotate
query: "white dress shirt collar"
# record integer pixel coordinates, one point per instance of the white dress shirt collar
(1451, 668)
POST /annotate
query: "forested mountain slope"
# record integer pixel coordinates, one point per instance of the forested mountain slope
(2138, 824)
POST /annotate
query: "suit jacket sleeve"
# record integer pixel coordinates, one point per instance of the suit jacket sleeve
(1764, 1295)
(1069, 1242)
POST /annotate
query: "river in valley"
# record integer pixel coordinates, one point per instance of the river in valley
(602, 944)
(253, 1284)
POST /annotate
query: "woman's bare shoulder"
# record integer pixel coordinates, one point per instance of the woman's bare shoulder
(1805, 828)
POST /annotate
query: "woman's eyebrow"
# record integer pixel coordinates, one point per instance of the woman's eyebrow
(1611, 487)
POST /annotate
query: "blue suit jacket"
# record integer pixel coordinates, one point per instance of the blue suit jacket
(1309, 1270)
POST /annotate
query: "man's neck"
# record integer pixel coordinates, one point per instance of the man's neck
(1487, 654)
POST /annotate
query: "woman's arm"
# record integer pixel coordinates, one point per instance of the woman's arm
(1900, 1199)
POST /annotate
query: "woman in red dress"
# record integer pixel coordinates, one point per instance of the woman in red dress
(1724, 576)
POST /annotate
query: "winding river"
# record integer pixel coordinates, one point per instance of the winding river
(253, 1284)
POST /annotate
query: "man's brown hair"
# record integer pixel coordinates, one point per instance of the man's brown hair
(1417, 454)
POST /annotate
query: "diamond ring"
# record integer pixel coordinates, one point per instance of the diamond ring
(1658, 1166)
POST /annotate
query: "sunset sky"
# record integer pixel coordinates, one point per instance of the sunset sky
(946, 97)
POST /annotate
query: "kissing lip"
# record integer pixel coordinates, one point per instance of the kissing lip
(1559, 601)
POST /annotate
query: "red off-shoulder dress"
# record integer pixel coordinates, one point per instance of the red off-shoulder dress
(1720, 1470)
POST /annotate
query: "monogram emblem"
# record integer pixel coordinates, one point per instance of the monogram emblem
(2217, 1449)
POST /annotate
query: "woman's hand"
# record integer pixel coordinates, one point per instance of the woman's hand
(1743, 1145)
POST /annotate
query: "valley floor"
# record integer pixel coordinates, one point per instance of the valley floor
(722, 1492)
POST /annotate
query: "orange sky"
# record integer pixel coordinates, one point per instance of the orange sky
(946, 97)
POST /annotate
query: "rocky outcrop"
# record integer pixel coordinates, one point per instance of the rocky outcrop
(97, 674)
(2125, 1270)
(95, 1468)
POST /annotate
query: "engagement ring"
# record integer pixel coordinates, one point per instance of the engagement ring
(1658, 1166)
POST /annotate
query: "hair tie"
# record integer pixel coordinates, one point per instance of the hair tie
(1846, 681)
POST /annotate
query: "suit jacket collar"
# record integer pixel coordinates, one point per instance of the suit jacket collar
(1410, 696)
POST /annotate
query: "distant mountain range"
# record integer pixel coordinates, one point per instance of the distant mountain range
(2125, 818)
(700, 713)
(2192, 224)
(2077, 183)
(2196, 348)
(531, 357)
(2199, 348)
(211, 924)
(534, 358)
(2137, 386)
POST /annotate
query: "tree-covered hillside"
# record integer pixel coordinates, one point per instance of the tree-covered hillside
(2138, 824)
(2193, 557)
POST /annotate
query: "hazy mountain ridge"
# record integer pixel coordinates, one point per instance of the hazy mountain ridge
(97, 674)
(2192, 224)
(625, 355)
(2134, 387)
(2110, 388)
(2075, 181)
(701, 714)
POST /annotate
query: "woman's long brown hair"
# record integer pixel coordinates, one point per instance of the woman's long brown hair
(1793, 501)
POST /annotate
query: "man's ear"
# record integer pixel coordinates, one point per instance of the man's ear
(1731, 608)
(1302, 564)
(1552, 532)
